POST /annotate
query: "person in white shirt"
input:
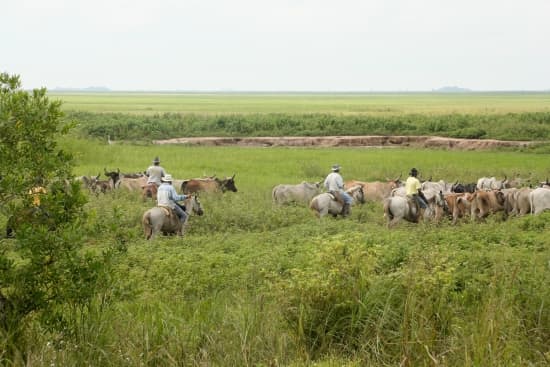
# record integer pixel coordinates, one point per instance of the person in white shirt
(168, 197)
(335, 183)
(155, 172)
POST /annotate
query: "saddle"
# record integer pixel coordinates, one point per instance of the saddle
(169, 212)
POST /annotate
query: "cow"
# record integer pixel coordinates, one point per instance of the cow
(301, 193)
(437, 186)
(208, 185)
(491, 183)
(462, 188)
(544, 184)
(132, 184)
(113, 175)
(376, 190)
(484, 203)
(539, 200)
(95, 185)
(522, 205)
(458, 205)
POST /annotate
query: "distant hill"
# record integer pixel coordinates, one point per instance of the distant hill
(87, 89)
(452, 89)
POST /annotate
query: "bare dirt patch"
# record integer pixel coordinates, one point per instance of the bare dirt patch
(350, 141)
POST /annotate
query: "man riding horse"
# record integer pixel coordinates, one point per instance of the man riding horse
(168, 197)
(154, 175)
(414, 192)
(334, 183)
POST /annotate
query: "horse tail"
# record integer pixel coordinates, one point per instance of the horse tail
(147, 226)
(314, 206)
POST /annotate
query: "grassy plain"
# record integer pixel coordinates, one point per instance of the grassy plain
(306, 103)
(252, 284)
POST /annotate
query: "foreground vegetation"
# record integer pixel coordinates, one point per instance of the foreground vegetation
(253, 284)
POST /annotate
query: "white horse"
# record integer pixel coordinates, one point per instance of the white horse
(325, 203)
(403, 207)
(165, 220)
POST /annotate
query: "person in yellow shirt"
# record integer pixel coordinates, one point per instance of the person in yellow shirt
(413, 189)
(37, 191)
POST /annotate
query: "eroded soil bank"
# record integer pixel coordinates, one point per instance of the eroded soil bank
(350, 141)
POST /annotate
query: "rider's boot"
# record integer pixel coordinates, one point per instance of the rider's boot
(346, 210)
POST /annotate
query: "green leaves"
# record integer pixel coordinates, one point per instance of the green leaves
(46, 272)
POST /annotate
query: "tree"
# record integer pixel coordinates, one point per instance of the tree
(44, 274)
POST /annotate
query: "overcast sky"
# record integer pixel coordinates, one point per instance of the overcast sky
(278, 45)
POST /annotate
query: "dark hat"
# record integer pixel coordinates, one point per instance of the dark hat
(335, 167)
(414, 172)
(156, 160)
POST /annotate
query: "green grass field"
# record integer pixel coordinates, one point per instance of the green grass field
(252, 284)
(304, 103)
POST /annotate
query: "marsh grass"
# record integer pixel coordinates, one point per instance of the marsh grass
(253, 284)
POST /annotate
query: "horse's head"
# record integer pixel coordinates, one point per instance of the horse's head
(196, 205)
(357, 193)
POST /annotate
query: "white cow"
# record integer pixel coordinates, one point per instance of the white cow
(539, 200)
(300, 193)
(491, 183)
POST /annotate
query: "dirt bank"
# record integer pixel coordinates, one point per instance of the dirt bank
(350, 141)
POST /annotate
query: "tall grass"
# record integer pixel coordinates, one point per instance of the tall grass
(252, 284)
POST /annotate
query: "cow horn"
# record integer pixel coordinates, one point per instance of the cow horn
(232, 177)
(430, 179)
(118, 170)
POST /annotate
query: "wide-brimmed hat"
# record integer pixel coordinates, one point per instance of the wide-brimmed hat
(336, 167)
(156, 160)
(167, 178)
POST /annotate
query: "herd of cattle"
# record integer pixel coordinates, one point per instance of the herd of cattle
(513, 197)
(445, 199)
(138, 182)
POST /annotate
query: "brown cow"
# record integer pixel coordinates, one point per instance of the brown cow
(208, 185)
(484, 203)
(458, 205)
(132, 184)
(376, 190)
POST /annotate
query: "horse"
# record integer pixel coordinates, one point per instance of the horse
(403, 207)
(326, 203)
(165, 220)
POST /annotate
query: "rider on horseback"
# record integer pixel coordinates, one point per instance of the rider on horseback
(167, 197)
(414, 190)
(155, 172)
(334, 183)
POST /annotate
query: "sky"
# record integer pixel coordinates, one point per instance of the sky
(277, 45)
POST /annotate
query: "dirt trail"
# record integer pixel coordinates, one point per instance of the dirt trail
(350, 141)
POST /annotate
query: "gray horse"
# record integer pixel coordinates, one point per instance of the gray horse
(402, 207)
(160, 219)
(325, 203)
